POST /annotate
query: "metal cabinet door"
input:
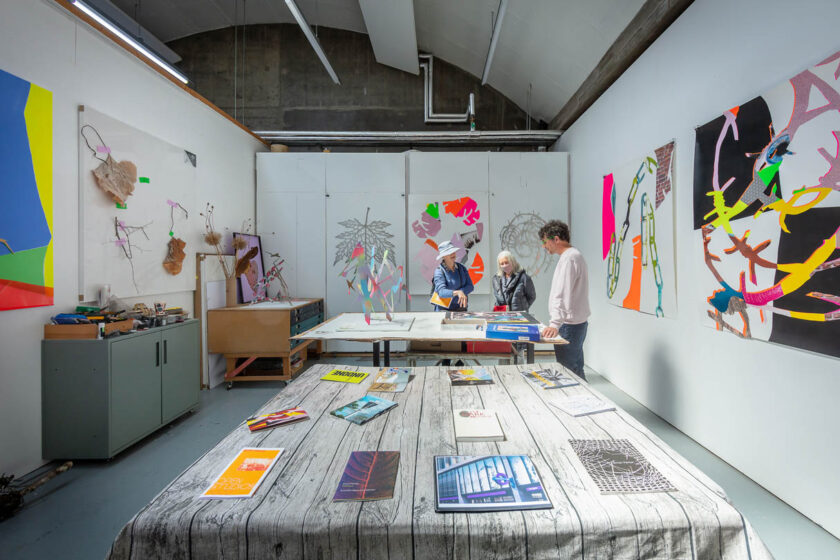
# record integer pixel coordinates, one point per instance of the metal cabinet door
(135, 388)
(179, 372)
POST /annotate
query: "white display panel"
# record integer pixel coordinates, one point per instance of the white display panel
(527, 190)
(164, 173)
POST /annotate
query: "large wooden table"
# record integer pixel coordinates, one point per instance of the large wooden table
(292, 514)
(425, 326)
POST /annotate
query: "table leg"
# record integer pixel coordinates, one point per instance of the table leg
(529, 354)
(387, 352)
(376, 354)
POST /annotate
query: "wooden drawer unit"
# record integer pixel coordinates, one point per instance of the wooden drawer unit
(262, 331)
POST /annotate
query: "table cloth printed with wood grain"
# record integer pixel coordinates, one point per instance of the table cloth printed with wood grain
(292, 514)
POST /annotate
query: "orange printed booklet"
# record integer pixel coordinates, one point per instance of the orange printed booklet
(244, 474)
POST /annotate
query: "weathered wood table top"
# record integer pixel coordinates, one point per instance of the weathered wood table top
(425, 325)
(292, 514)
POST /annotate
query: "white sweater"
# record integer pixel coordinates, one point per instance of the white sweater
(568, 301)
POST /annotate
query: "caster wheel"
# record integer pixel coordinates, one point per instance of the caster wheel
(229, 385)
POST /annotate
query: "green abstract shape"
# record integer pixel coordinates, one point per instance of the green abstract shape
(143, 179)
(24, 266)
(433, 211)
(766, 175)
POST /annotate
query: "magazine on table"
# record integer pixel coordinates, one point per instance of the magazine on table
(548, 378)
(582, 405)
(390, 380)
(487, 483)
(345, 376)
(263, 421)
(477, 425)
(244, 474)
(368, 475)
(478, 376)
(364, 409)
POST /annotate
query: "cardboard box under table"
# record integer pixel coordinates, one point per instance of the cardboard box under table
(246, 333)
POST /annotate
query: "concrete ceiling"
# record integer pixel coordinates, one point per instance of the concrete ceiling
(551, 45)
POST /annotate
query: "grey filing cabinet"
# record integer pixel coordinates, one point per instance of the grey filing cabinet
(100, 396)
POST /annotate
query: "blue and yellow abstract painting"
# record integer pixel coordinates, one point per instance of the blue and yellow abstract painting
(26, 176)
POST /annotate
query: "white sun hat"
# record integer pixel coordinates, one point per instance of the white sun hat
(446, 248)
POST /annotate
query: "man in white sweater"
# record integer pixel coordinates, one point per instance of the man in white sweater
(568, 302)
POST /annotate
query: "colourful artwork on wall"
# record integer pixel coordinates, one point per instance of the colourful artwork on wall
(767, 212)
(26, 248)
(461, 220)
(637, 219)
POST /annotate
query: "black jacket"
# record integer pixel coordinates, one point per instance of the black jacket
(518, 294)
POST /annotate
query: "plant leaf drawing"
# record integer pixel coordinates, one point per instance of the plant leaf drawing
(371, 234)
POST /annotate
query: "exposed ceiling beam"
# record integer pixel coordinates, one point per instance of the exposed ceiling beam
(316, 46)
(390, 27)
(497, 26)
(652, 19)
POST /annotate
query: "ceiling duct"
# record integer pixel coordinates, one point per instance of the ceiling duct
(429, 115)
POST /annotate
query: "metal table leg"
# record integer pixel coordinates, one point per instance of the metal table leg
(387, 352)
(529, 354)
(376, 354)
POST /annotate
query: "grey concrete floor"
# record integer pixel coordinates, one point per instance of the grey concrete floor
(79, 513)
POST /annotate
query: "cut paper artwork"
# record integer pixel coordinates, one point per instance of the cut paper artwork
(382, 285)
(26, 245)
(460, 220)
(520, 236)
(767, 213)
(637, 218)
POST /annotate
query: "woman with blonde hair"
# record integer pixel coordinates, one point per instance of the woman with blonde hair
(512, 287)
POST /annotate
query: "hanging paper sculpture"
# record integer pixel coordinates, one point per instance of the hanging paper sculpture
(637, 218)
(26, 247)
(175, 248)
(458, 220)
(383, 285)
(767, 212)
(116, 178)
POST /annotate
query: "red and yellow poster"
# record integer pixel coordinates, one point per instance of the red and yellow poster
(244, 474)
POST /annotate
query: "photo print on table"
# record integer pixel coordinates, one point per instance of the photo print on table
(617, 467)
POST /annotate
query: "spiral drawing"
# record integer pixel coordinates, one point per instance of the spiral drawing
(520, 236)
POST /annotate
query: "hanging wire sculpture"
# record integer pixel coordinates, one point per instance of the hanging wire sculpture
(274, 273)
(214, 238)
(114, 178)
(123, 241)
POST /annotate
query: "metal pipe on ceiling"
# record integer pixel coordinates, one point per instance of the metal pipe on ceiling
(502, 138)
(429, 114)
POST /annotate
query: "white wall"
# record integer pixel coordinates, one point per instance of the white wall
(42, 43)
(768, 410)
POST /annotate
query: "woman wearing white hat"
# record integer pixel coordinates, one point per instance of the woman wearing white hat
(452, 279)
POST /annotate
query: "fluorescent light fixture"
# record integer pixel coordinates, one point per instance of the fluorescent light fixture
(495, 39)
(131, 42)
(312, 39)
